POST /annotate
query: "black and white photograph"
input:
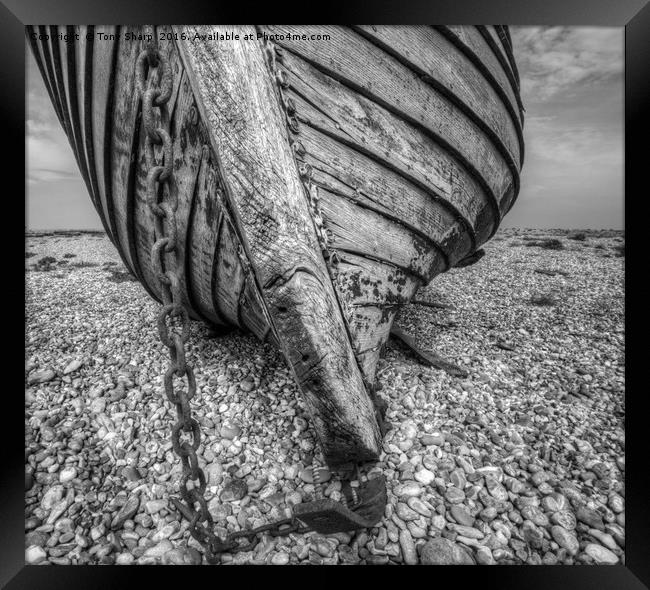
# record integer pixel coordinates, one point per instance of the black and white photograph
(324, 295)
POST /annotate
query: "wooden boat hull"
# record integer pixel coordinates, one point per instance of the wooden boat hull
(320, 182)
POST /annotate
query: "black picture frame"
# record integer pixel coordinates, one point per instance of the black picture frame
(634, 15)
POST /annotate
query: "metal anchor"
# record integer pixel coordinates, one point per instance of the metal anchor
(326, 516)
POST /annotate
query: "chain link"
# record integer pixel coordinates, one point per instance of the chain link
(163, 202)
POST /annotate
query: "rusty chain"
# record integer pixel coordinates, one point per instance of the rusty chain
(163, 202)
(173, 319)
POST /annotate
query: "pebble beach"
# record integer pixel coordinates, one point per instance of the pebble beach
(520, 462)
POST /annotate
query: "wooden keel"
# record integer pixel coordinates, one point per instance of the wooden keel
(237, 99)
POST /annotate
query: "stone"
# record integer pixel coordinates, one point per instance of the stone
(230, 430)
(155, 506)
(534, 514)
(179, 556)
(435, 438)
(461, 516)
(565, 539)
(72, 366)
(407, 545)
(157, 551)
(488, 514)
(565, 519)
(51, 497)
(131, 473)
(590, 517)
(126, 512)
(419, 506)
(405, 512)
(424, 476)
(35, 555)
(496, 490)
(468, 532)
(42, 376)
(484, 556)
(454, 495)
(124, 559)
(616, 503)
(67, 474)
(601, 555)
(554, 503)
(532, 534)
(233, 490)
(408, 489)
(605, 539)
(441, 551)
(280, 558)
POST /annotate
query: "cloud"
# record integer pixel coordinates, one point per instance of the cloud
(556, 60)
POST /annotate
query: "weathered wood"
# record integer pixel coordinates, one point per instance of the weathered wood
(319, 186)
(367, 127)
(345, 171)
(366, 233)
(362, 66)
(204, 225)
(371, 293)
(439, 62)
(472, 43)
(237, 99)
(126, 110)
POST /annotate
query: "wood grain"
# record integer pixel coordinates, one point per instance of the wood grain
(237, 98)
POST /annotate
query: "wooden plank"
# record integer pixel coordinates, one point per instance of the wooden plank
(126, 108)
(103, 76)
(366, 233)
(503, 48)
(204, 225)
(187, 148)
(345, 171)
(432, 56)
(370, 282)
(473, 43)
(365, 68)
(237, 98)
(74, 98)
(252, 310)
(369, 128)
(228, 275)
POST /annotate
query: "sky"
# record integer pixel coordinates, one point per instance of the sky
(572, 90)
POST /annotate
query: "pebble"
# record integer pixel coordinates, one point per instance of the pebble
(35, 555)
(67, 474)
(461, 516)
(280, 558)
(590, 517)
(42, 376)
(155, 506)
(601, 555)
(454, 495)
(424, 476)
(565, 519)
(441, 551)
(416, 504)
(233, 490)
(407, 545)
(230, 431)
(545, 451)
(72, 366)
(565, 539)
(159, 550)
(408, 489)
(435, 438)
(405, 512)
